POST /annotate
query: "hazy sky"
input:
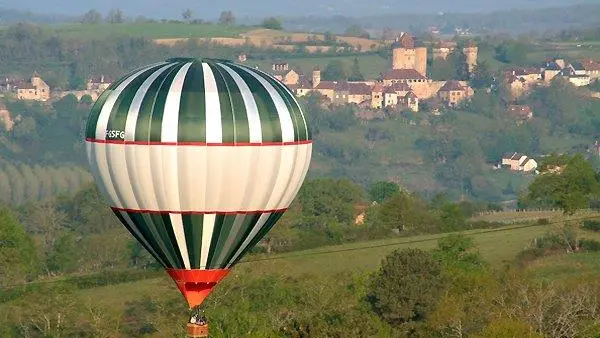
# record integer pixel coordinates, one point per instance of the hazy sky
(259, 8)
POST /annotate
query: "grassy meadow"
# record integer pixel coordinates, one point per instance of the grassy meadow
(258, 289)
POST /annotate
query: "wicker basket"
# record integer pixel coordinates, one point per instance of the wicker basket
(197, 331)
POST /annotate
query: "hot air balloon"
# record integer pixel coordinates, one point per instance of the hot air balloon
(198, 159)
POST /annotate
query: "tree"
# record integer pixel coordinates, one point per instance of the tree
(457, 251)
(382, 190)
(407, 286)
(356, 30)
(568, 183)
(45, 220)
(26, 130)
(512, 52)
(329, 37)
(453, 67)
(335, 71)
(272, 23)
(17, 253)
(115, 16)
(64, 255)
(482, 76)
(403, 211)
(227, 18)
(355, 74)
(91, 17)
(329, 197)
(187, 15)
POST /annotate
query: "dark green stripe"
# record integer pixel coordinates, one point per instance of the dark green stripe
(142, 126)
(245, 229)
(221, 231)
(166, 220)
(159, 230)
(147, 229)
(242, 128)
(269, 118)
(228, 116)
(273, 218)
(142, 241)
(120, 110)
(92, 121)
(192, 107)
(289, 103)
(159, 104)
(192, 227)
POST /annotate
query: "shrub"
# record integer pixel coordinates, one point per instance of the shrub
(407, 287)
(591, 225)
(590, 245)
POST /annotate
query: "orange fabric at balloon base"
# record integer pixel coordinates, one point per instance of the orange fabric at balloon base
(196, 285)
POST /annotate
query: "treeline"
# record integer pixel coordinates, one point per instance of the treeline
(516, 21)
(79, 233)
(21, 183)
(67, 63)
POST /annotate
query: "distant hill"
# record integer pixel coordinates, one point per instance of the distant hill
(258, 9)
(10, 16)
(509, 21)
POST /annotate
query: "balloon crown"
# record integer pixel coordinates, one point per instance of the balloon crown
(192, 59)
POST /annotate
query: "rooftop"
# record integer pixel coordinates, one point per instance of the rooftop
(451, 85)
(403, 74)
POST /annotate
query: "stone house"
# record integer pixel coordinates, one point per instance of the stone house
(288, 77)
(99, 83)
(453, 92)
(592, 68)
(518, 162)
(36, 89)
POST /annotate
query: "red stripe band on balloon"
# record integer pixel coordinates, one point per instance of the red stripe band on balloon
(204, 144)
(190, 212)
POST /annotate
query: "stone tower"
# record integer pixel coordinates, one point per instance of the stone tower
(316, 77)
(442, 49)
(406, 56)
(470, 51)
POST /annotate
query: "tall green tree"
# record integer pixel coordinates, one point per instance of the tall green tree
(227, 18)
(407, 286)
(569, 183)
(115, 16)
(187, 15)
(382, 190)
(335, 70)
(355, 74)
(91, 17)
(17, 252)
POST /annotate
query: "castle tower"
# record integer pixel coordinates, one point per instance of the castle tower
(443, 49)
(421, 60)
(316, 77)
(470, 51)
(406, 56)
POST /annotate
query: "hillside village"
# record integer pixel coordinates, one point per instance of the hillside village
(403, 86)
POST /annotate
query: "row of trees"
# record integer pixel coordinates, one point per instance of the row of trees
(116, 16)
(21, 183)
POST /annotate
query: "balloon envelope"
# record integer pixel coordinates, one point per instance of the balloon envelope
(198, 159)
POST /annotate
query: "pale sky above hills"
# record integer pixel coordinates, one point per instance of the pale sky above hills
(205, 9)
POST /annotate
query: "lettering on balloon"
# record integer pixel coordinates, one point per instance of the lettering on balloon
(115, 134)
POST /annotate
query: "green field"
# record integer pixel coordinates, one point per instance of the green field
(307, 282)
(147, 30)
